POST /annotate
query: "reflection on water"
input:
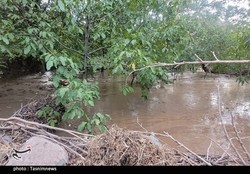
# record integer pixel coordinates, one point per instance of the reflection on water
(187, 109)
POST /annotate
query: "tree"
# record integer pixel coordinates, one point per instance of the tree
(217, 26)
(78, 36)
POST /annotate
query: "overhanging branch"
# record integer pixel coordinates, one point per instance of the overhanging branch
(176, 64)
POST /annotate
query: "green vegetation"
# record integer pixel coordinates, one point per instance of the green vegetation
(75, 37)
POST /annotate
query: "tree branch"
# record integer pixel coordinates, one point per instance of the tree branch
(71, 49)
(159, 64)
(198, 58)
(182, 145)
(224, 128)
(215, 56)
(97, 50)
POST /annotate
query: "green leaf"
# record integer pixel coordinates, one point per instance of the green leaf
(40, 46)
(11, 36)
(47, 57)
(52, 122)
(61, 5)
(97, 121)
(102, 128)
(133, 42)
(40, 113)
(56, 81)
(82, 126)
(30, 30)
(62, 91)
(27, 49)
(126, 41)
(49, 64)
(63, 60)
(103, 35)
(126, 90)
(91, 103)
(129, 30)
(5, 40)
(80, 31)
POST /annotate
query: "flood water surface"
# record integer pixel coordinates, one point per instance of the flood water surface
(190, 109)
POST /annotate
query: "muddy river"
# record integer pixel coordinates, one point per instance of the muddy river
(188, 109)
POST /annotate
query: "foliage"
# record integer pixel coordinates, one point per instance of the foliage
(73, 92)
(212, 26)
(243, 79)
(52, 117)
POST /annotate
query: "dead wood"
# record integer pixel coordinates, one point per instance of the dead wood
(200, 61)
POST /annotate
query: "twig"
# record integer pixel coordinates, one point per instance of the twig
(239, 138)
(141, 124)
(127, 147)
(9, 128)
(198, 58)
(140, 154)
(225, 152)
(46, 126)
(190, 161)
(209, 149)
(71, 150)
(63, 139)
(71, 49)
(182, 145)
(97, 50)
(215, 56)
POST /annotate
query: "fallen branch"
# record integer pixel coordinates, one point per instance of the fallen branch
(198, 58)
(55, 141)
(215, 56)
(182, 145)
(225, 130)
(225, 152)
(209, 149)
(239, 138)
(159, 64)
(45, 126)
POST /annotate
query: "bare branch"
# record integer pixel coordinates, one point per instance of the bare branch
(238, 137)
(209, 149)
(224, 128)
(71, 49)
(55, 141)
(141, 125)
(159, 64)
(215, 56)
(97, 49)
(45, 126)
(198, 57)
(225, 152)
(182, 145)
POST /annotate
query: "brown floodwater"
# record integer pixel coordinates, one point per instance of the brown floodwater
(188, 109)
